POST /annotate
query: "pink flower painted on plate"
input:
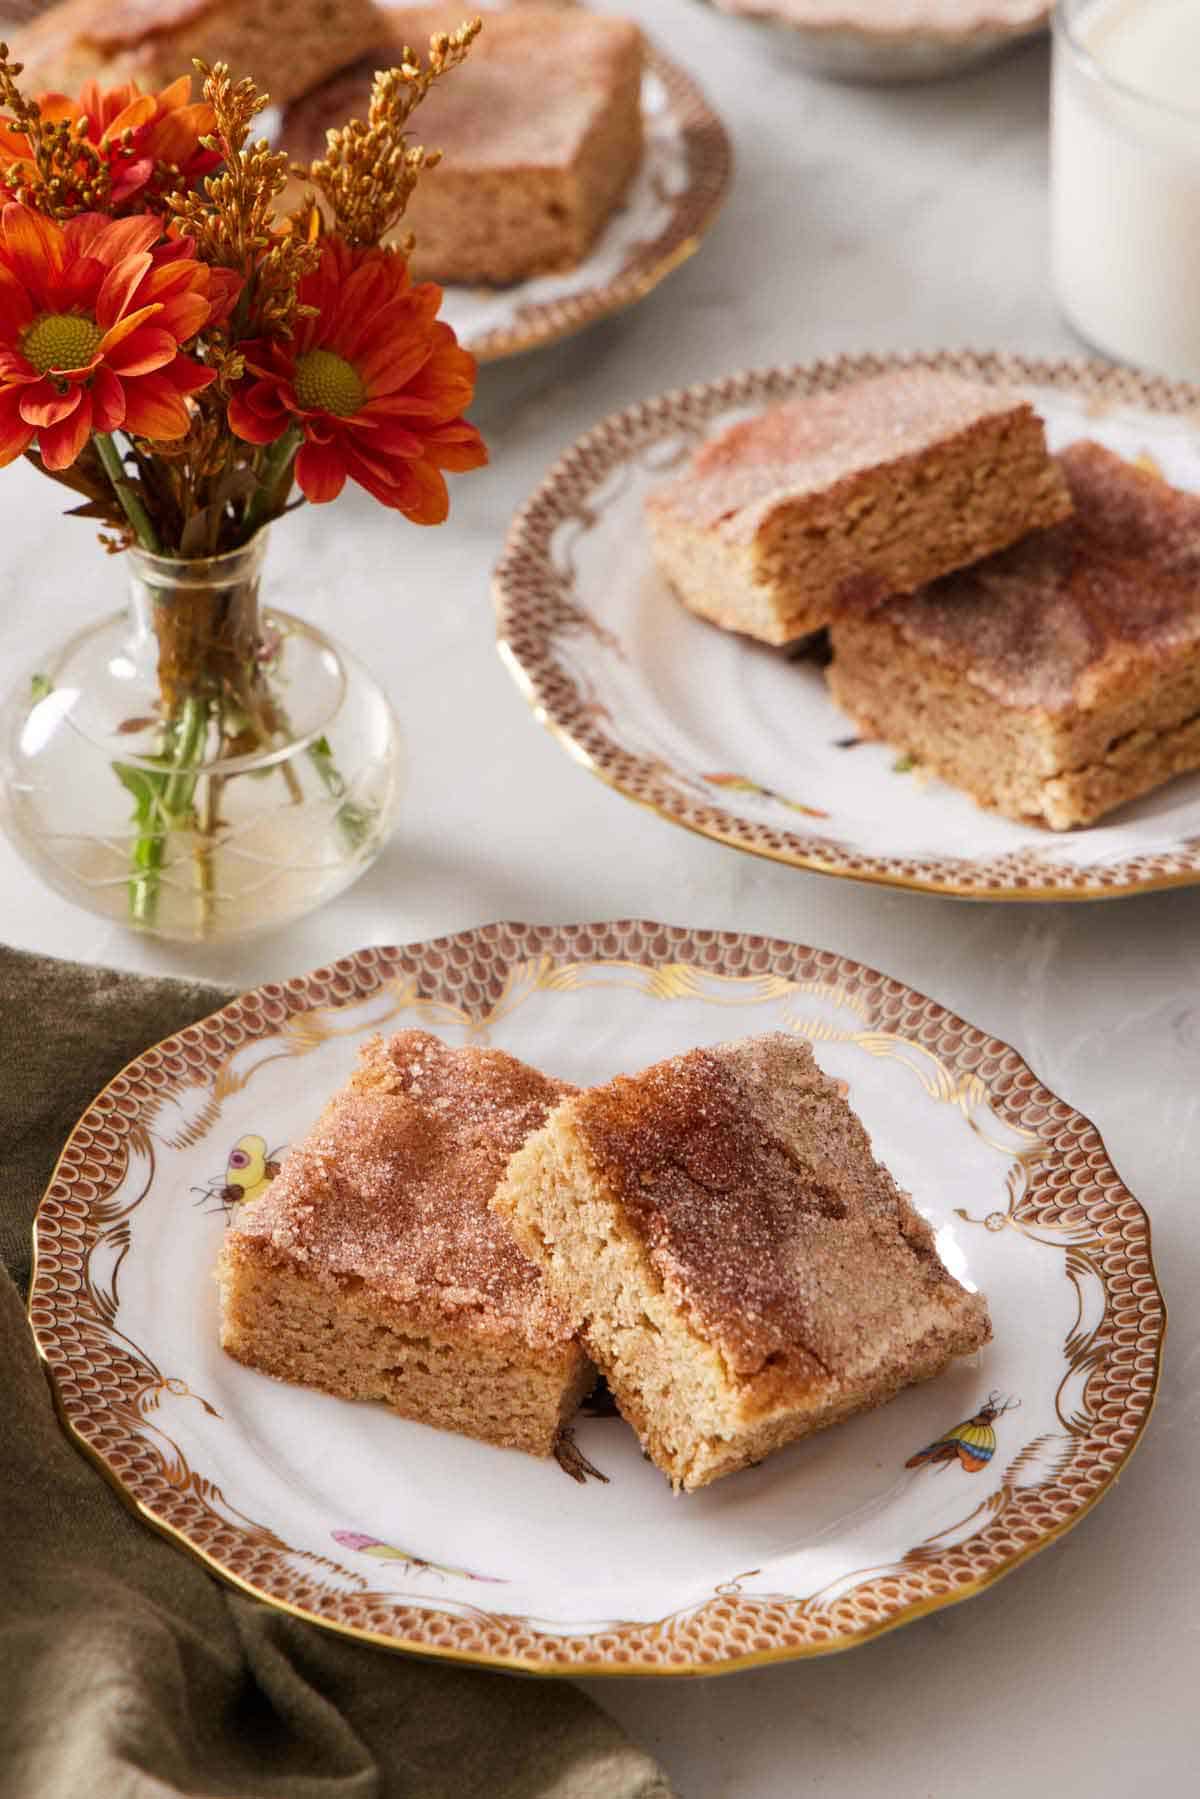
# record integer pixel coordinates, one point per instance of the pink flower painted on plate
(387, 1552)
(743, 784)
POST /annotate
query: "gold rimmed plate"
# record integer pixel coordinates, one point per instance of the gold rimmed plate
(742, 743)
(420, 1540)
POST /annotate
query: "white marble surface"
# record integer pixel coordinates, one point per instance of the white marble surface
(860, 219)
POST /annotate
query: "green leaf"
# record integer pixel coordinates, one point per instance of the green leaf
(904, 765)
(355, 822)
(39, 687)
(144, 787)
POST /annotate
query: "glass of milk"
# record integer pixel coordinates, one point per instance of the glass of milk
(1125, 178)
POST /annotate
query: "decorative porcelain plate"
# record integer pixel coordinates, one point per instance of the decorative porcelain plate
(675, 196)
(896, 40)
(417, 1539)
(741, 743)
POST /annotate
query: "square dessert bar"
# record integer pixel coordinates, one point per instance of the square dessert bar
(843, 498)
(1059, 679)
(373, 1269)
(286, 45)
(740, 1267)
(540, 129)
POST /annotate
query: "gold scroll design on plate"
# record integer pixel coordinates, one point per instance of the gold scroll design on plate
(661, 981)
(1040, 1462)
(144, 1385)
(967, 1093)
(110, 1217)
(193, 1130)
(303, 1032)
(1086, 1347)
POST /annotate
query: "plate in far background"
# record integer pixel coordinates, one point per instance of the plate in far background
(742, 744)
(895, 40)
(418, 1539)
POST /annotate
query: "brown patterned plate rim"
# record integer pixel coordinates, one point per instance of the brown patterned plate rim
(984, 24)
(526, 579)
(693, 212)
(76, 1341)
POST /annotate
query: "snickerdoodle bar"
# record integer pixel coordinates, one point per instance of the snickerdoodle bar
(372, 1267)
(1059, 679)
(740, 1267)
(540, 131)
(841, 498)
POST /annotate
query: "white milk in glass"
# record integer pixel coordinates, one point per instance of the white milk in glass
(1125, 178)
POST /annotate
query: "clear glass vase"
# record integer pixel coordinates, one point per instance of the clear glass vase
(198, 767)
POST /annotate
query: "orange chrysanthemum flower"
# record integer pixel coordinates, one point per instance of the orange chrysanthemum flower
(134, 133)
(92, 317)
(373, 379)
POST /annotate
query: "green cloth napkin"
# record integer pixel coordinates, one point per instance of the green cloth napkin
(126, 1670)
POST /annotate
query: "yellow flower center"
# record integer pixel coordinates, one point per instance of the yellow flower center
(61, 340)
(325, 382)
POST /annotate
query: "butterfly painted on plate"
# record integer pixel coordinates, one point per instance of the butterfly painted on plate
(248, 1172)
(972, 1443)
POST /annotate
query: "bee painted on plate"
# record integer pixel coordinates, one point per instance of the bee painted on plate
(972, 1444)
(248, 1172)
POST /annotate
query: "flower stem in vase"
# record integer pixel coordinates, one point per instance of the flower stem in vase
(206, 831)
(146, 857)
(191, 734)
(163, 802)
(273, 481)
(125, 491)
(179, 796)
(353, 821)
(202, 614)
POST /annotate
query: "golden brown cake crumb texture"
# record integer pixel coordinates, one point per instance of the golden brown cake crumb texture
(287, 46)
(373, 1267)
(845, 497)
(740, 1266)
(392, 1186)
(540, 130)
(1060, 678)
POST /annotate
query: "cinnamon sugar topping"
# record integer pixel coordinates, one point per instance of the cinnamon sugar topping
(810, 445)
(485, 117)
(392, 1185)
(1064, 614)
(753, 1187)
